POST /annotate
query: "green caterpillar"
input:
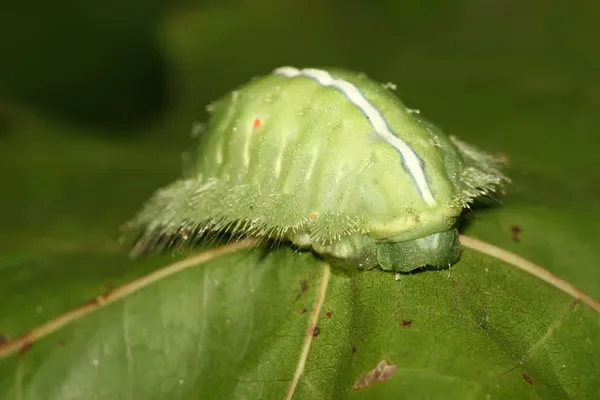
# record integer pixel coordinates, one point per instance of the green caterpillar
(329, 160)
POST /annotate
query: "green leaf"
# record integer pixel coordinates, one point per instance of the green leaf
(80, 320)
(236, 326)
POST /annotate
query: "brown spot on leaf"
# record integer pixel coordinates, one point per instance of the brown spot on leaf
(406, 323)
(353, 349)
(329, 314)
(303, 288)
(107, 292)
(25, 348)
(304, 310)
(3, 339)
(316, 331)
(528, 379)
(381, 373)
(515, 233)
(96, 301)
(574, 304)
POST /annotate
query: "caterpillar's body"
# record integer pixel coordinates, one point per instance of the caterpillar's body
(329, 160)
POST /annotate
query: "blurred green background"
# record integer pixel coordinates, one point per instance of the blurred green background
(123, 64)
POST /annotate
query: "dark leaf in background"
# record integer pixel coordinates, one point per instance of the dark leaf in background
(92, 63)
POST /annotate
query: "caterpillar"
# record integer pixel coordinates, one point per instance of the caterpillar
(328, 160)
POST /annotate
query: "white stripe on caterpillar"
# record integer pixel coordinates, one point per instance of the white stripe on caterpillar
(355, 96)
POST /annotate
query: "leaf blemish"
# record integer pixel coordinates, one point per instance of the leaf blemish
(406, 323)
(304, 310)
(25, 348)
(329, 314)
(96, 301)
(381, 373)
(316, 331)
(3, 339)
(528, 379)
(107, 292)
(515, 233)
(353, 349)
(303, 288)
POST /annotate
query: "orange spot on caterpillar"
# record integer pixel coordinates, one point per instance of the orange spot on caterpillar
(258, 123)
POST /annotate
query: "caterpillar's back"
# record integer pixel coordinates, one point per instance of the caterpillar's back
(327, 159)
